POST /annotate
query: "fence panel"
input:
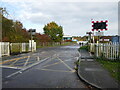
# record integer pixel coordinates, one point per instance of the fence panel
(4, 49)
(7, 48)
(107, 50)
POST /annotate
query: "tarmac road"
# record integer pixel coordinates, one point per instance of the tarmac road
(54, 69)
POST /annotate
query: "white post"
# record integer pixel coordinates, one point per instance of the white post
(0, 49)
(8, 44)
(35, 46)
(111, 51)
(97, 49)
(117, 49)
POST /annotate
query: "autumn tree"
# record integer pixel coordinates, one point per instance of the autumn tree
(42, 37)
(54, 31)
(13, 31)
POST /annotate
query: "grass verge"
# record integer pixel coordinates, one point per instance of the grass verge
(83, 47)
(65, 44)
(112, 67)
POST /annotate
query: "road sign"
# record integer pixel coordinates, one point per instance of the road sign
(99, 25)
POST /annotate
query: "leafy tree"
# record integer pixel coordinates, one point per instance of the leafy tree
(54, 31)
(7, 29)
(42, 37)
(12, 31)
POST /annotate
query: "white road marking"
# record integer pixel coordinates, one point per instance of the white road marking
(57, 63)
(26, 68)
(65, 64)
(52, 58)
(52, 64)
(10, 67)
(57, 70)
(26, 61)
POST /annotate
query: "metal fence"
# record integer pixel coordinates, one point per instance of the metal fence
(106, 50)
(7, 48)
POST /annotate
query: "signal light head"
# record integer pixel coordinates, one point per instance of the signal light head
(92, 21)
(106, 29)
(106, 21)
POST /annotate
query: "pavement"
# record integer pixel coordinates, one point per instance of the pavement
(93, 73)
(55, 71)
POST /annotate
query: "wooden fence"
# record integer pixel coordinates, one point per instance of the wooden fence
(7, 48)
(106, 50)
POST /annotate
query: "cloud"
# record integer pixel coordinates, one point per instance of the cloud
(75, 17)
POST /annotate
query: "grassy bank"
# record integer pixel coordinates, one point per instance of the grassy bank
(112, 67)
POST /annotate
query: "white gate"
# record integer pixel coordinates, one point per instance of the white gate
(4, 49)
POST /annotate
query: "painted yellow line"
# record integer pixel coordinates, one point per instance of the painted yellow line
(52, 64)
(50, 59)
(27, 61)
(65, 64)
(22, 63)
(57, 70)
(13, 60)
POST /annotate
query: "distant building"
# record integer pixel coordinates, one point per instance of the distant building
(104, 39)
(112, 39)
(67, 38)
(115, 39)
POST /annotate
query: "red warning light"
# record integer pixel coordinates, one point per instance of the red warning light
(92, 21)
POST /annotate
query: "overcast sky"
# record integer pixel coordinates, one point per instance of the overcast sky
(74, 15)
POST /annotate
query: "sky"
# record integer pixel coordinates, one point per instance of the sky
(73, 15)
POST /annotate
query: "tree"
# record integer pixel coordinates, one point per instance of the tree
(54, 31)
(42, 37)
(13, 31)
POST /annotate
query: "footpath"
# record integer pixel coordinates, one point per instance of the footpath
(93, 73)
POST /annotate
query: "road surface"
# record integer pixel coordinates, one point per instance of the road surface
(47, 68)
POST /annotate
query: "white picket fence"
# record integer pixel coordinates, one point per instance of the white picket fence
(6, 48)
(106, 50)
